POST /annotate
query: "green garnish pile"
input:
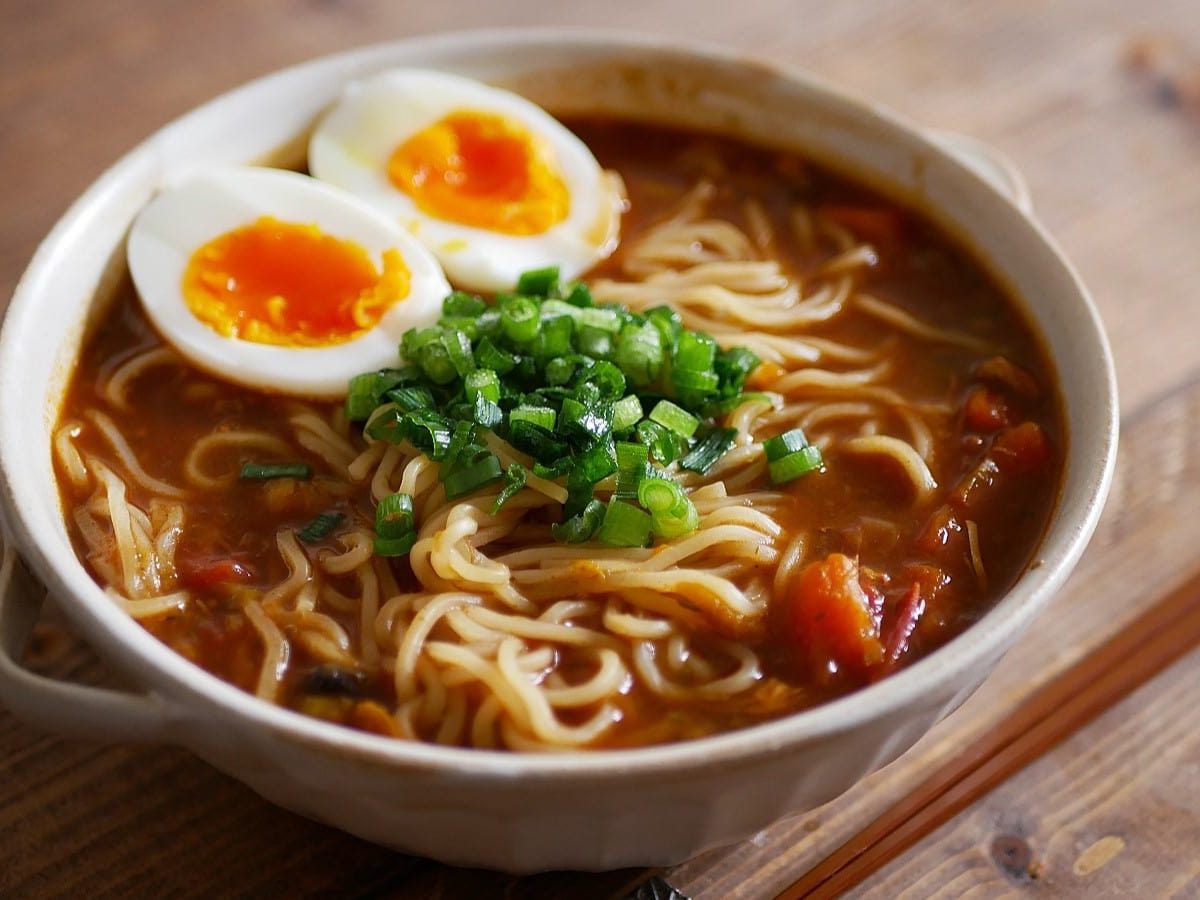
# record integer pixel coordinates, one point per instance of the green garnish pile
(588, 390)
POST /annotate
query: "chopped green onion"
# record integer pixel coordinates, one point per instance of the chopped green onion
(624, 525)
(670, 525)
(487, 413)
(664, 444)
(640, 354)
(489, 356)
(426, 430)
(538, 282)
(460, 303)
(668, 323)
(795, 464)
(579, 295)
(411, 396)
(366, 392)
(581, 527)
(519, 319)
(672, 512)
(596, 464)
(552, 309)
(468, 478)
(606, 377)
(320, 527)
(394, 515)
(265, 471)
(695, 352)
(538, 442)
(632, 460)
(594, 342)
(583, 421)
(464, 324)
(627, 412)
(788, 442)
(416, 339)
(679, 420)
(487, 325)
(560, 370)
(733, 366)
(515, 477)
(483, 382)
(695, 389)
(601, 318)
(395, 546)
(458, 351)
(542, 416)
(434, 360)
(556, 470)
(462, 443)
(554, 338)
(557, 375)
(709, 449)
(660, 494)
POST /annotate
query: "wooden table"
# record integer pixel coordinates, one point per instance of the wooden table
(1074, 772)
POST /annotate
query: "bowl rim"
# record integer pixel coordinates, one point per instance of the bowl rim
(157, 665)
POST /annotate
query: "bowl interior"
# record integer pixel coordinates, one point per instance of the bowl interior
(268, 120)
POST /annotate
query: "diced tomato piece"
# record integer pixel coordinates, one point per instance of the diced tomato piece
(764, 376)
(1000, 372)
(832, 620)
(908, 613)
(1022, 450)
(929, 579)
(876, 225)
(974, 492)
(941, 531)
(986, 410)
(202, 572)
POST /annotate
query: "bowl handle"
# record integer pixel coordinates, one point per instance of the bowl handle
(74, 710)
(988, 163)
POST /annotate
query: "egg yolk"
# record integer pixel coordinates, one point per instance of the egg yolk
(274, 282)
(483, 170)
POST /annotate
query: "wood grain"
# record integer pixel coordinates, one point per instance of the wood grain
(1117, 814)
(1114, 163)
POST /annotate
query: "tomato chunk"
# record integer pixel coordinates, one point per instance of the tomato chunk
(202, 572)
(1022, 450)
(985, 410)
(834, 625)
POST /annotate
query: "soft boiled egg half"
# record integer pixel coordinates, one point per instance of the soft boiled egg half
(277, 281)
(487, 180)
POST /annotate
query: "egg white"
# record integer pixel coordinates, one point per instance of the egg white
(352, 145)
(209, 203)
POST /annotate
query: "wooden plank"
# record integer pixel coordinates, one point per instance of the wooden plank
(1113, 812)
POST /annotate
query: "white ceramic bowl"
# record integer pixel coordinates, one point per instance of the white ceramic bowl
(510, 811)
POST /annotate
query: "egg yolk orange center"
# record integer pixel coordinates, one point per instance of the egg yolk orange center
(274, 282)
(483, 170)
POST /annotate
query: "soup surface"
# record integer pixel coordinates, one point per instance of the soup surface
(931, 401)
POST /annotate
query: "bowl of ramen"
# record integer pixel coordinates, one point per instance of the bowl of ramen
(544, 449)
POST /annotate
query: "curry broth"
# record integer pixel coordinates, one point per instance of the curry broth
(228, 547)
